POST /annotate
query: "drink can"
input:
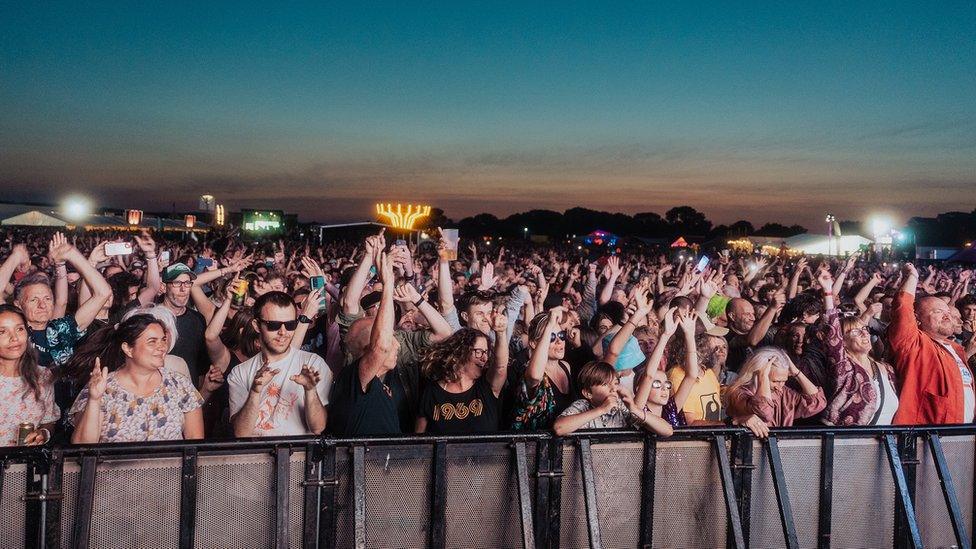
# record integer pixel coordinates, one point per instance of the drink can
(24, 430)
(240, 294)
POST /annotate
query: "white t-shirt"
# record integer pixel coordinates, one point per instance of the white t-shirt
(282, 408)
(969, 395)
(890, 399)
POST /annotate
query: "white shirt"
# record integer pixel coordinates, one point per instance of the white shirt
(969, 396)
(282, 408)
(890, 398)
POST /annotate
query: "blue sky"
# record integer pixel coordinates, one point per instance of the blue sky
(764, 111)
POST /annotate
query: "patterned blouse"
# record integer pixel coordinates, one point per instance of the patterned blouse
(855, 400)
(130, 418)
(18, 405)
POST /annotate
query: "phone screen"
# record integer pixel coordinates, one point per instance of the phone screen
(702, 263)
(318, 283)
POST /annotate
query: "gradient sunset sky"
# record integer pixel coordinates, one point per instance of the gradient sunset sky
(777, 111)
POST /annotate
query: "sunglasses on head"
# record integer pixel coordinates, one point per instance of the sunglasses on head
(657, 384)
(560, 335)
(275, 325)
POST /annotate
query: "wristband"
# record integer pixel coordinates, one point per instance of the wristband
(153, 256)
(60, 265)
(418, 303)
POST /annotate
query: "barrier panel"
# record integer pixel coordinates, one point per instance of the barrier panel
(803, 487)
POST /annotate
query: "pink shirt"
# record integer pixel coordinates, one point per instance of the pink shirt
(18, 405)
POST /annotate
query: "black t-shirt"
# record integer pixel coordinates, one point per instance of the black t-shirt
(190, 345)
(473, 411)
(740, 350)
(356, 413)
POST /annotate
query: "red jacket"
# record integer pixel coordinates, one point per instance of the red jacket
(931, 385)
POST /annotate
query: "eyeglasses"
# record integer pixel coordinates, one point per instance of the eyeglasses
(557, 335)
(275, 325)
(863, 330)
(657, 384)
(181, 283)
(478, 353)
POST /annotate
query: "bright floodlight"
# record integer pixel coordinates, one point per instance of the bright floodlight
(880, 225)
(76, 207)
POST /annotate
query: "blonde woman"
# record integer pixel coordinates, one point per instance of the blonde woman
(761, 390)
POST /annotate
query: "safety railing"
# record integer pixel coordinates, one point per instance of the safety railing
(802, 487)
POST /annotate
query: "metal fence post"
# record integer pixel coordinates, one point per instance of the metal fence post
(647, 492)
(728, 491)
(282, 486)
(742, 466)
(525, 500)
(555, 491)
(81, 527)
(188, 498)
(782, 493)
(438, 501)
(589, 494)
(543, 478)
(826, 490)
(906, 525)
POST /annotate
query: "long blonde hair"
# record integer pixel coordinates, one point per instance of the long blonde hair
(747, 375)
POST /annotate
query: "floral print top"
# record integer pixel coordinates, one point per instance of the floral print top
(130, 418)
(18, 405)
(56, 343)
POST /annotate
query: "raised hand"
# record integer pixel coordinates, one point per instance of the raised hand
(406, 293)
(499, 322)
(687, 322)
(610, 403)
(310, 268)
(312, 302)
(308, 378)
(488, 278)
(826, 280)
(670, 321)
(386, 268)
(262, 377)
(613, 262)
(59, 248)
(909, 270)
(97, 382)
(145, 243)
(213, 380)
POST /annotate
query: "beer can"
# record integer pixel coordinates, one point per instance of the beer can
(24, 430)
(240, 294)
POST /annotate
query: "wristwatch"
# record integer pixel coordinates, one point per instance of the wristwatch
(304, 319)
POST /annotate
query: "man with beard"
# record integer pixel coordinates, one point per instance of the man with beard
(280, 391)
(936, 384)
(190, 324)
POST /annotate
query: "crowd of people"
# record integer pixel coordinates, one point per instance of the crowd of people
(223, 337)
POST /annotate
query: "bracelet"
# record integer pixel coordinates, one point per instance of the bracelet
(418, 303)
(61, 265)
(150, 256)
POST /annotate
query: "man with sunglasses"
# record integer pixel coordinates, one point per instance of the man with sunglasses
(190, 325)
(281, 391)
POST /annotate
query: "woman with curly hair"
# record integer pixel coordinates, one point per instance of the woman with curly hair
(465, 381)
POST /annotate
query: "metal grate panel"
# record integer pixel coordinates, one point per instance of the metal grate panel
(864, 495)
(933, 515)
(689, 510)
(136, 504)
(69, 487)
(482, 495)
(801, 468)
(12, 526)
(397, 496)
(296, 498)
(235, 499)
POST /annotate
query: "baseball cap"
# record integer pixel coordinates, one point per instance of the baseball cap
(175, 270)
(717, 331)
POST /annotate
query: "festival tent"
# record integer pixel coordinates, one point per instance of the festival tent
(821, 244)
(965, 255)
(35, 218)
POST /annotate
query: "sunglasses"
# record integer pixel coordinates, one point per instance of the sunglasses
(275, 325)
(557, 335)
(657, 384)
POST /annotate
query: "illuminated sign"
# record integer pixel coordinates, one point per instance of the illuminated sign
(133, 217)
(219, 215)
(263, 221)
(400, 217)
(191, 220)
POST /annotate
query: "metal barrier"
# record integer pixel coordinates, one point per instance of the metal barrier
(816, 487)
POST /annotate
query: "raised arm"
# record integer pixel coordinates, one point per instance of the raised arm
(381, 338)
(58, 241)
(498, 371)
(692, 368)
(18, 256)
(153, 283)
(668, 328)
(613, 264)
(643, 308)
(101, 291)
(536, 370)
(864, 293)
(88, 422)
(801, 264)
(352, 291)
(761, 327)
